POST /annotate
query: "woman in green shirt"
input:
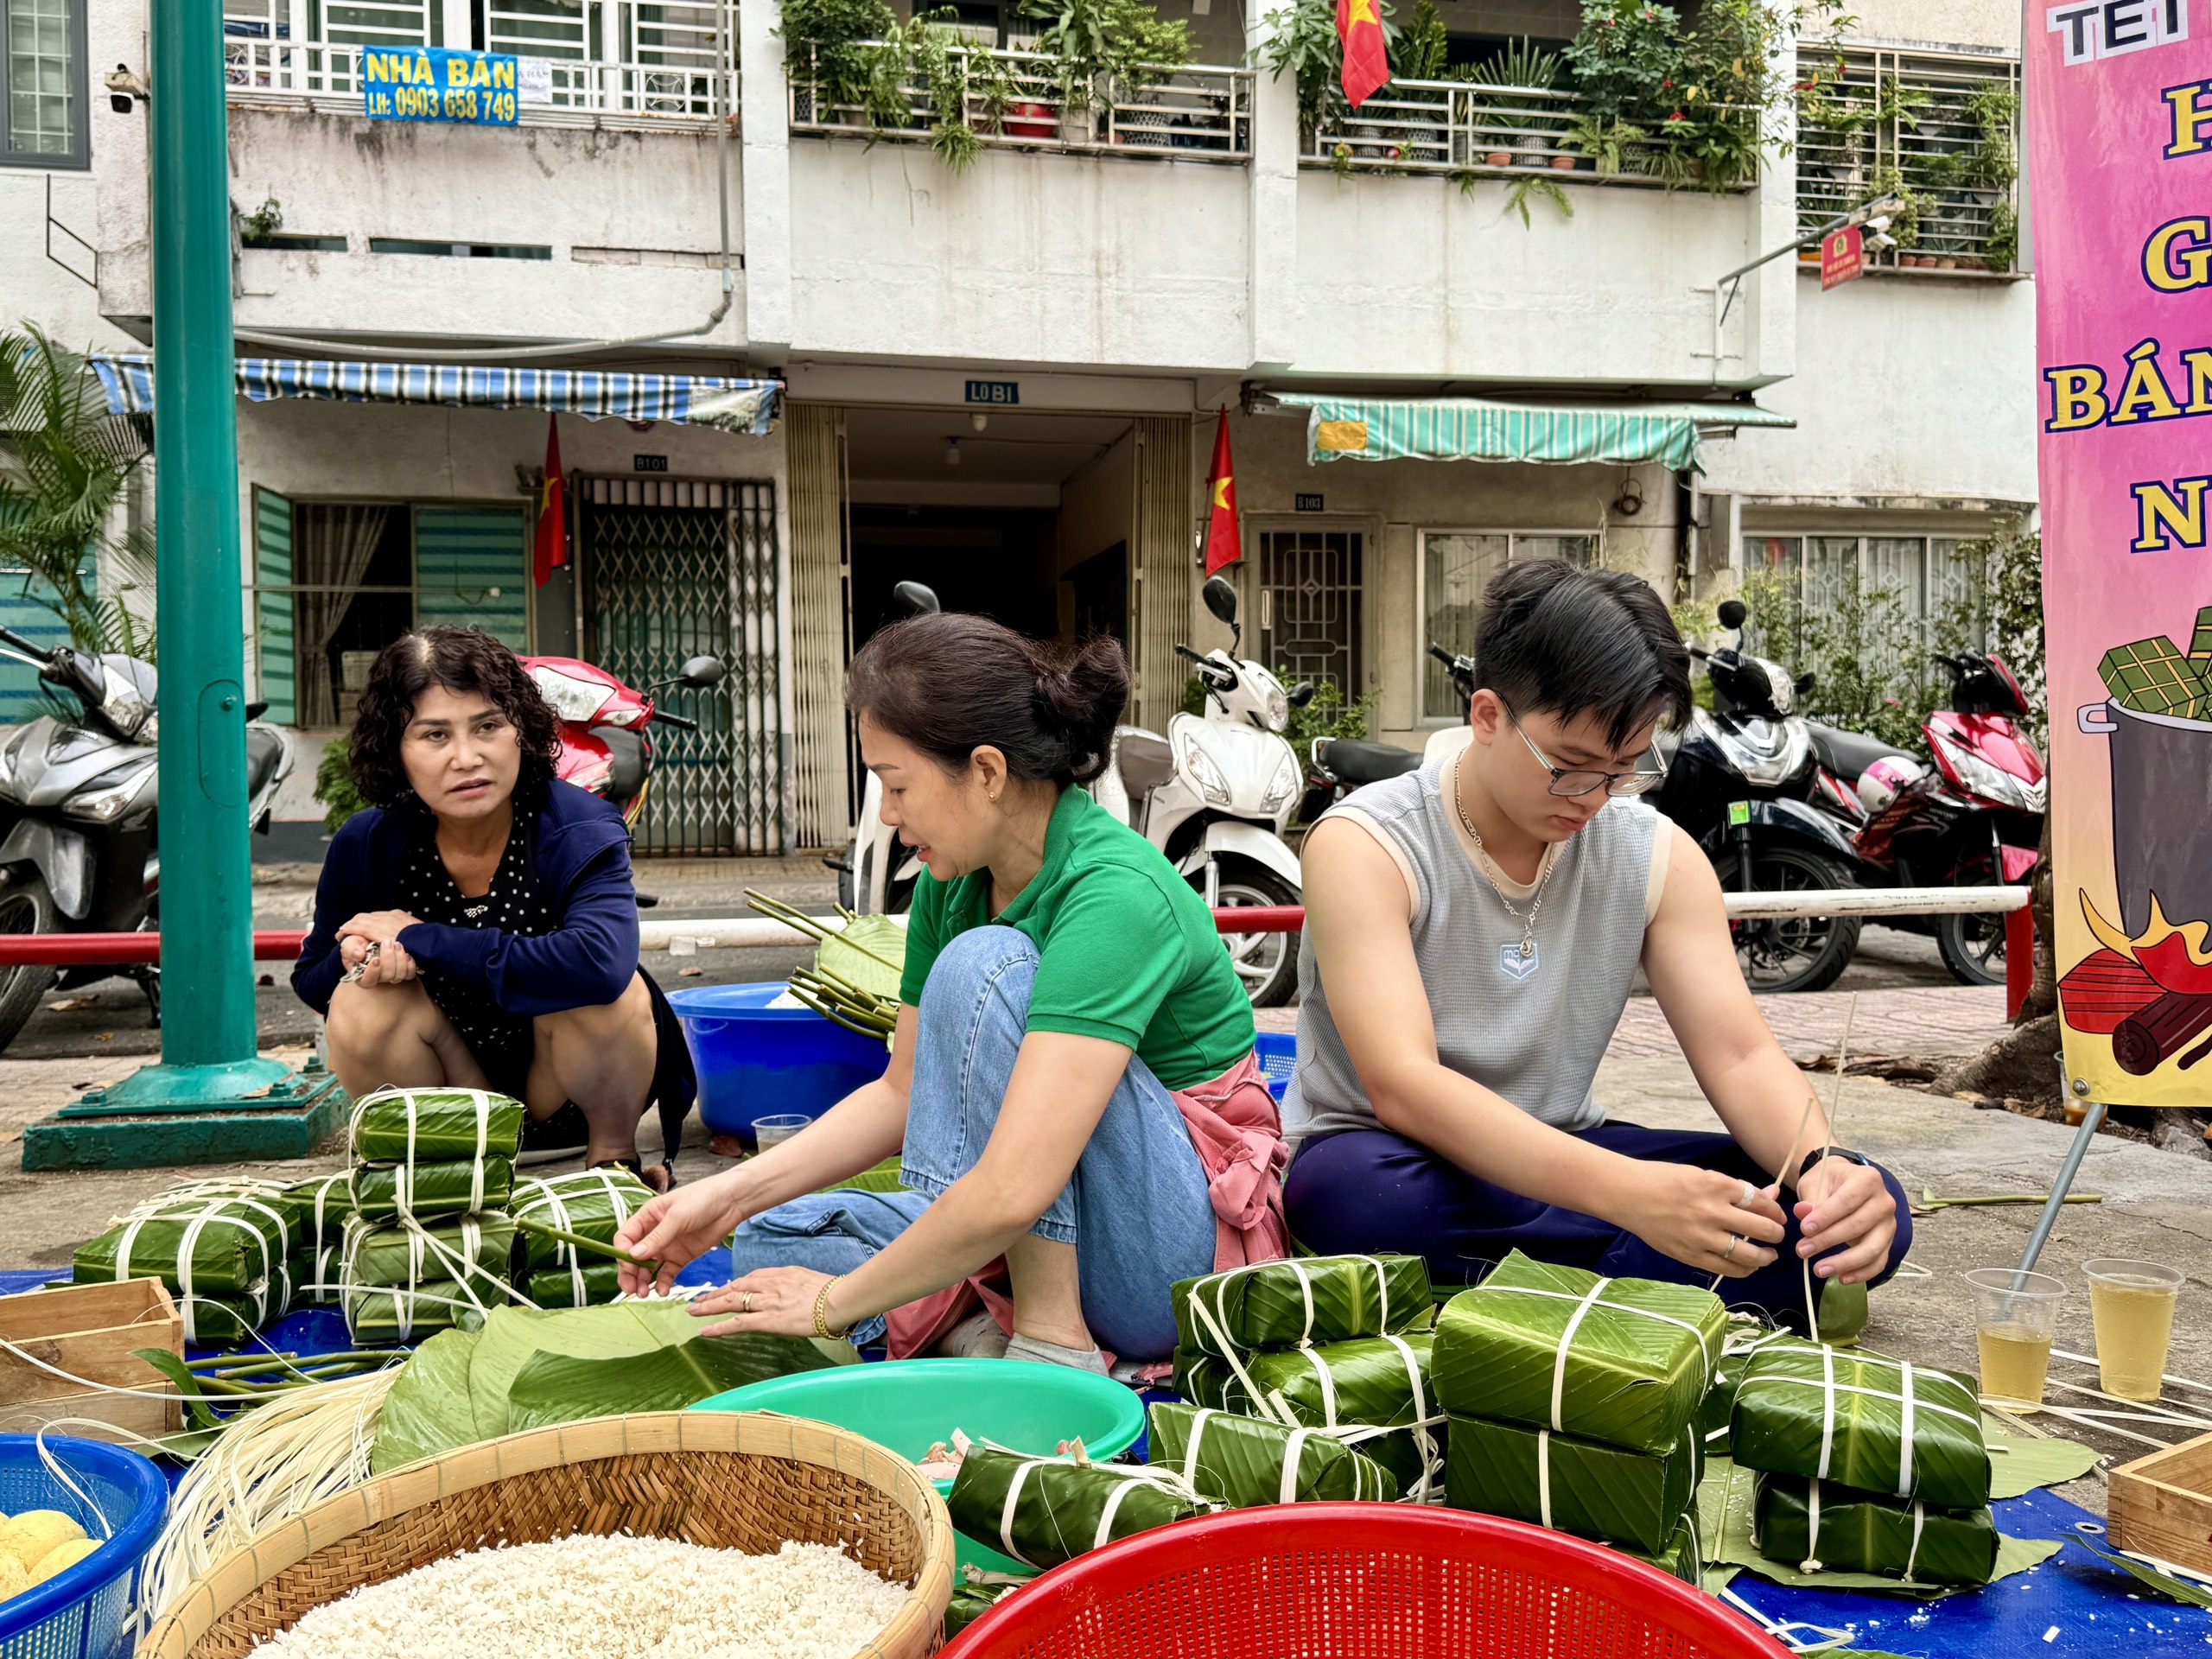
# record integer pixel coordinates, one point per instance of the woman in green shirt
(1067, 1010)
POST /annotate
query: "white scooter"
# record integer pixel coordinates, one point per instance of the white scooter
(1214, 795)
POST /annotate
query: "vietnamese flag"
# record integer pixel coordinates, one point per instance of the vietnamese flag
(1367, 63)
(552, 531)
(1222, 545)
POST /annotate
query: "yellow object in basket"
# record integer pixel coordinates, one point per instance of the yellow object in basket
(32, 1535)
(14, 1580)
(62, 1557)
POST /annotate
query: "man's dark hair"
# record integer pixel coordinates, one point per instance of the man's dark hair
(1570, 643)
(460, 659)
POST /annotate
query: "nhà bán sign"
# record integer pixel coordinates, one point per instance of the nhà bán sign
(439, 83)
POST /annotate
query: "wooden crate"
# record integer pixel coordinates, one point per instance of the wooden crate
(2161, 1506)
(89, 1331)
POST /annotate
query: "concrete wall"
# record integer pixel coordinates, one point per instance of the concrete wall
(1948, 22)
(33, 288)
(1098, 505)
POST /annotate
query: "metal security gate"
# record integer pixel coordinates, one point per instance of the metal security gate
(1310, 624)
(673, 567)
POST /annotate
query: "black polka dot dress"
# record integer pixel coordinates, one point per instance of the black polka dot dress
(501, 1041)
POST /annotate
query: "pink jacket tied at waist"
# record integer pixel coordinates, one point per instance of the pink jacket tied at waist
(1238, 1134)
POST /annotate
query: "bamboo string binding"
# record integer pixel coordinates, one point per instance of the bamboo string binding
(731, 1480)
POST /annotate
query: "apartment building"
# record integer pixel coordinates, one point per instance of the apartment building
(1444, 333)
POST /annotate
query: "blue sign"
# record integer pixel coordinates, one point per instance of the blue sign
(438, 83)
(994, 392)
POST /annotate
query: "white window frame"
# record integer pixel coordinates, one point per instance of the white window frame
(1423, 719)
(1753, 542)
(78, 155)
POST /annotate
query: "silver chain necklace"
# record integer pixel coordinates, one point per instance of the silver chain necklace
(1482, 861)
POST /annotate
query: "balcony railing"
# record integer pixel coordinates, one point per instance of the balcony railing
(1014, 100)
(323, 75)
(1468, 129)
(1940, 130)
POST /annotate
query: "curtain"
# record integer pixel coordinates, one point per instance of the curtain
(330, 554)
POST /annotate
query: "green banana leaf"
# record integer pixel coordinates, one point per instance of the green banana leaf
(1595, 1492)
(480, 1247)
(1862, 1532)
(1064, 1506)
(590, 1286)
(226, 1321)
(325, 1202)
(970, 1602)
(1682, 1555)
(315, 1274)
(1353, 1388)
(1802, 1409)
(1242, 1461)
(379, 1315)
(429, 1125)
(381, 1192)
(1727, 1503)
(1302, 1299)
(590, 1202)
(2018, 1466)
(869, 952)
(1745, 1338)
(1638, 1355)
(459, 1393)
(239, 1234)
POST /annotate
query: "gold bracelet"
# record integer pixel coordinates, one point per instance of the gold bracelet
(822, 1311)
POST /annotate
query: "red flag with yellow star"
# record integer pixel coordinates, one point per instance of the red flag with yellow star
(1222, 545)
(1367, 62)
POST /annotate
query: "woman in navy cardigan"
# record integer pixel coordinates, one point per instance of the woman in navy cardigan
(477, 926)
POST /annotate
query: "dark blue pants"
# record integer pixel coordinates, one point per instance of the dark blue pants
(1365, 1190)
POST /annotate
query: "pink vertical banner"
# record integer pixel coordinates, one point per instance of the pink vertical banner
(2119, 100)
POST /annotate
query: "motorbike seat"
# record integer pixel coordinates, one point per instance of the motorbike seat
(626, 753)
(1358, 762)
(1146, 763)
(1847, 754)
(264, 749)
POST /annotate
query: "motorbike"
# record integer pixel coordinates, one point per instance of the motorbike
(1739, 779)
(1338, 766)
(79, 849)
(604, 745)
(1214, 795)
(1972, 819)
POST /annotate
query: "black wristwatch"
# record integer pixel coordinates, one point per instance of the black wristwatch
(1844, 1153)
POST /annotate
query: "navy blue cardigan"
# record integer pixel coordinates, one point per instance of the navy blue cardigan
(581, 856)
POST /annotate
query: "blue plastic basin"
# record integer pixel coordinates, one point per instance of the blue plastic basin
(755, 1061)
(84, 1611)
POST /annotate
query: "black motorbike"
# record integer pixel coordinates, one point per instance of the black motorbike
(1739, 779)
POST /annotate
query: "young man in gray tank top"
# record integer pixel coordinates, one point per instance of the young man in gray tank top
(1471, 936)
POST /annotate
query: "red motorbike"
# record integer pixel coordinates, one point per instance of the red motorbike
(604, 745)
(1974, 819)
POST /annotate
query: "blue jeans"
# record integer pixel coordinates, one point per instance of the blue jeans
(1136, 1209)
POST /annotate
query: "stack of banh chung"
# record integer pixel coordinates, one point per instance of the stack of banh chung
(224, 1248)
(1575, 1402)
(1337, 1347)
(1866, 1465)
(430, 1244)
(591, 1204)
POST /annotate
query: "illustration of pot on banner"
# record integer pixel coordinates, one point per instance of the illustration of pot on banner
(2149, 985)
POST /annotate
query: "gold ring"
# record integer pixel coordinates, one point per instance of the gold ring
(1734, 1239)
(745, 1305)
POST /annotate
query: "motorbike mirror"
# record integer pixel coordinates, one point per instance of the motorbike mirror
(1803, 682)
(256, 710)
(1732, 614)
(1221, 599)
(913, 599)
(702, 672)
(1301, 694)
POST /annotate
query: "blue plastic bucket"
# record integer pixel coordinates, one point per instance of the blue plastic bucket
(755, 1061)
(83, 1612)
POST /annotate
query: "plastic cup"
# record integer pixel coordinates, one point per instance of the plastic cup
(2133, 1303)
(775, 1131)
(2015, 1316)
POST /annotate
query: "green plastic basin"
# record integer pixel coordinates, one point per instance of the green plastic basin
(909, 1405)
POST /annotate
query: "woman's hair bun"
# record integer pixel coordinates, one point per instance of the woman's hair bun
(1086, 696)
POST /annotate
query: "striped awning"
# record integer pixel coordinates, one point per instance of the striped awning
(1473, 429)
(750, 406)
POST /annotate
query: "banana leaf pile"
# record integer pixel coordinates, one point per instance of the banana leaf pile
(1302, 1299)
(1812, 1524)
(457, 1187)
(1042, 1511)
(1841, 1416)
(222, 1247)
(589, 1203)
(326, 1203)
(1245, 1461)
(1595, 1492)
(431, 1126)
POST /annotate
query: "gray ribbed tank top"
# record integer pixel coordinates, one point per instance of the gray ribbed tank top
(1533, 1036)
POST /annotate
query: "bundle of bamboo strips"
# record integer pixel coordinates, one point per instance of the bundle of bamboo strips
(829, 992)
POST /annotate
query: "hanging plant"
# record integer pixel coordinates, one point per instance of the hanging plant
(1302, 43)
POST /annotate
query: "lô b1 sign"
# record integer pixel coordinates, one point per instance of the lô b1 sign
(438, 83)
(2119, 133)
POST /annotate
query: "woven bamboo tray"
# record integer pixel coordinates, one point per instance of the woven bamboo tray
(731, 1480)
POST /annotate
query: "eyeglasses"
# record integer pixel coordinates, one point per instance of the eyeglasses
(1568, 782)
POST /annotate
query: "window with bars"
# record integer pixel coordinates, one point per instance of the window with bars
(43, 75)
(1940, 130)
(1310, 616)
(1924, 586)
(1456, 567)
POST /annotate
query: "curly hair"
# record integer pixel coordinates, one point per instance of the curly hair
(460, 659)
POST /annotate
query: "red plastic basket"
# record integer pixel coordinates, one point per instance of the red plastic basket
(1357, 1582)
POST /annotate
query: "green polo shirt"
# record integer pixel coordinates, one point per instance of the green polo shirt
(1130, 952)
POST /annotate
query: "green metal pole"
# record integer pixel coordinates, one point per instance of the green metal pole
(207, 975)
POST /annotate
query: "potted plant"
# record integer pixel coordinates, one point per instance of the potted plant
(827, 52)
(1107, 50)
(1512, 82)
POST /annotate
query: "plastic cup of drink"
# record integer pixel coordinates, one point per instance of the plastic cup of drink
(2015, 1316)
(2133, 1303)
(775, 1131)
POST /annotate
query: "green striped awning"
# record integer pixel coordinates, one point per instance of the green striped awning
(1474, 429)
